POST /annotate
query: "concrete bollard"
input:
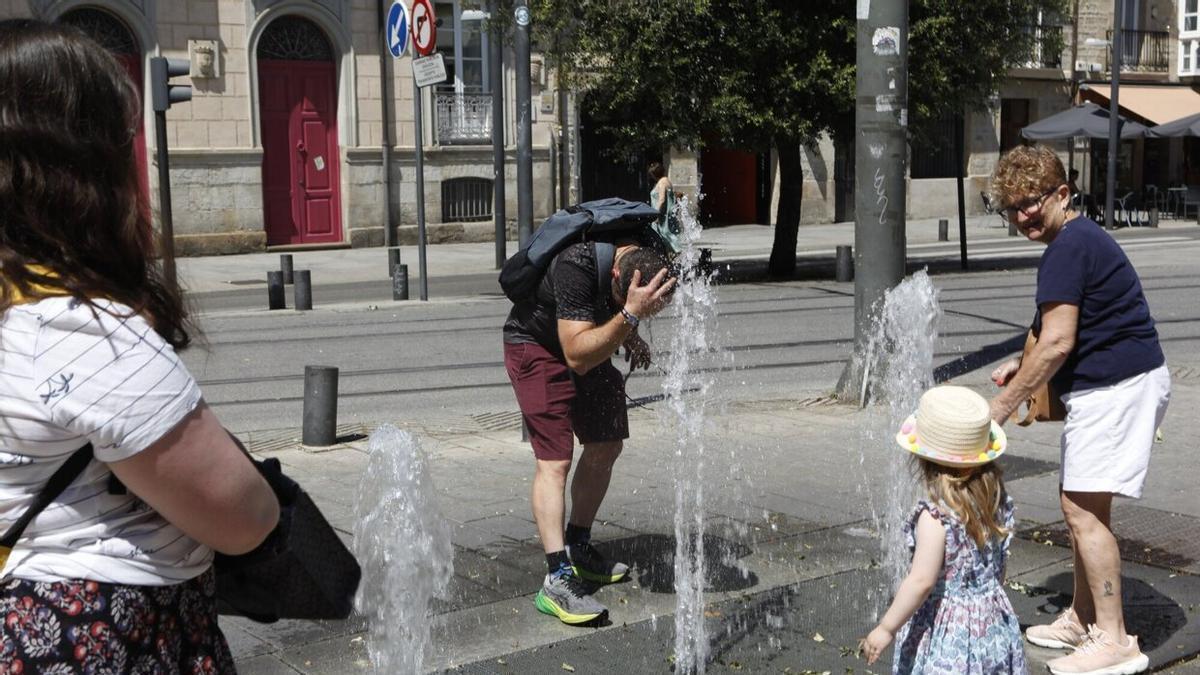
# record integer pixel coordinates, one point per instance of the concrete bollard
(393, 258)
(320, 406)
(845, 263)
(1154, 217)
(943, 230)
(1012, 230)
(303, 290)
(400, 282)
(275, 299)
(285, 266)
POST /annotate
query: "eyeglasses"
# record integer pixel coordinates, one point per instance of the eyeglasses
(1010, 213)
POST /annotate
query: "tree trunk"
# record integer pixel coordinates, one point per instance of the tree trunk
(787, 217)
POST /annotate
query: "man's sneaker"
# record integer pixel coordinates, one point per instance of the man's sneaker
(1100, 655)
(1064, 633)
(593, 566)
(566, 596)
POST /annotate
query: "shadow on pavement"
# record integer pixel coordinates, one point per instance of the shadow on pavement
(652, 556)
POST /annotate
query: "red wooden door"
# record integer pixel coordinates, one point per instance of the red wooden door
(298, 112)
(133, 66)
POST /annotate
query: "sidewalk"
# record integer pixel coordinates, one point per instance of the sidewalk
(792, 547)
(737, 242)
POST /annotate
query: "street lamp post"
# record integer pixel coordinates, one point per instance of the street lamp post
(1114, 118)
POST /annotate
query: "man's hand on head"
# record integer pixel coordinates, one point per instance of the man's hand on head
(646, 300)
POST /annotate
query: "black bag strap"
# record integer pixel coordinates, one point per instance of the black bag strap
(58, 482)
(606, 254)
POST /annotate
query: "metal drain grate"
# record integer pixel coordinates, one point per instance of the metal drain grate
(509, 420)
(1146, 536)
(280, 439)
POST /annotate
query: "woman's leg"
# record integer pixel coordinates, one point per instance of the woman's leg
(1097, 561)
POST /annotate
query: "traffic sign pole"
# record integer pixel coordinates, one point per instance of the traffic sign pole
(424, 39)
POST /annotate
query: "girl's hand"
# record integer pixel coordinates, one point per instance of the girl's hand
(874, 644)
(1005, 371)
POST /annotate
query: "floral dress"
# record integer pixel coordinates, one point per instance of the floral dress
(967, 625)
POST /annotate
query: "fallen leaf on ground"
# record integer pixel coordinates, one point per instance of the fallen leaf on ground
(817, 637)
(568, 667)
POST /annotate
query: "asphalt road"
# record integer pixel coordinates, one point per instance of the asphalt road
(442, 359)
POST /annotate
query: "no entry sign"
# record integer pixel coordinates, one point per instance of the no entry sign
(424, 28)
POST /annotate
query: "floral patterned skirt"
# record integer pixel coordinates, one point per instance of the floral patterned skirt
(81, 626)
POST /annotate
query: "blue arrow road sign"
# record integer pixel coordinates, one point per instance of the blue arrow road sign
(396, 31)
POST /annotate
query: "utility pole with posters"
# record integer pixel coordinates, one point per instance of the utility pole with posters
(524, 124)
(880, 156)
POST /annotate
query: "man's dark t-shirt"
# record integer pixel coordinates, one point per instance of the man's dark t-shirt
(569, 291)
(1116, 338)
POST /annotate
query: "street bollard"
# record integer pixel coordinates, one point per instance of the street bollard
(285, 266)
(303, 290)
(845, 264)
(275, 299)
(400, 282)
(393, 258)
(1012, 230)
(943, 230)
(320, 406)
(1154, 217)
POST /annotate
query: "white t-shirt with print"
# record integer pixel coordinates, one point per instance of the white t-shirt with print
(69, 375)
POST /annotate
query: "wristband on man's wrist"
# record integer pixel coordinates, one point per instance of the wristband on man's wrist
(630, 318)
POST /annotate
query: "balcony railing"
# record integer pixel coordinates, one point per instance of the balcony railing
(1146, 51)
(463, 119)
(1047, 46)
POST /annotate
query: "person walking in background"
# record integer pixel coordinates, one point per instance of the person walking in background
(662, 197)
(1098, 349)
(950, 615)
(98, 581)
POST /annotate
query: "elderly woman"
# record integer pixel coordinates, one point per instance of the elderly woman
(1098, 349)
(100, 580)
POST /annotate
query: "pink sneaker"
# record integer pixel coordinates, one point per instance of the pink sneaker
(1065, 632)
(1100, 655)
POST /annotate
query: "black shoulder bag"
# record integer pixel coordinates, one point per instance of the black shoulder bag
(302, 570)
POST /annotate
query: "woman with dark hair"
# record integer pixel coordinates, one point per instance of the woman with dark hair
(101, 580)
(1098, 349)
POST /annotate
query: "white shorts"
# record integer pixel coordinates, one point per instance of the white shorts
(1109, 432)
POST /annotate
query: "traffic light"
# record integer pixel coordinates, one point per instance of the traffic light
(162, 92)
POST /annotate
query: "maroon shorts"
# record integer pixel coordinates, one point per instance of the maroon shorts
(554, 401)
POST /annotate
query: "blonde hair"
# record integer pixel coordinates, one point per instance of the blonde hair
(974, 494)
(1026, 171)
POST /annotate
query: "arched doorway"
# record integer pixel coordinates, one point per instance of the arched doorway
(115, 36)
(297, 99)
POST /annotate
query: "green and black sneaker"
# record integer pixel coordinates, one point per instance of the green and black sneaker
(592, 565)
(565, 596)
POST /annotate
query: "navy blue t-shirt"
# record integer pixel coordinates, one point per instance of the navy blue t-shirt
(1116, 339)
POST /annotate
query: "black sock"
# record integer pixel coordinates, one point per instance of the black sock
(578, 535)
(556, 561)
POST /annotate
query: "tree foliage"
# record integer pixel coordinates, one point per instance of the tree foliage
(763, 74)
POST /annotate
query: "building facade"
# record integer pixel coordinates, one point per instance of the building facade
(283, 141)
(1160, 78)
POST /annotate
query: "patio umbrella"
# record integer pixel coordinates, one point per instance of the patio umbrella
(1184, 126)
(1088, 120)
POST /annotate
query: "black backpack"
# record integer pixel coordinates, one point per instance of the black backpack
(601, 220)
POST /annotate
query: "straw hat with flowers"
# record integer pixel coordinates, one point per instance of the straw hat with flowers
(953, 427)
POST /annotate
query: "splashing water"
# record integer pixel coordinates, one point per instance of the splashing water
(403, 545)
(688, 392)
(898, 369)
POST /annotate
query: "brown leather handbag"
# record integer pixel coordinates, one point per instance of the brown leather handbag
(1043, 404)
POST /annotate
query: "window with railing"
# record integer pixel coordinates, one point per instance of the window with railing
(466, 199)
(1189, 37)
(463, 103)
(1142, 50)
(463, 119)
(1047, 46)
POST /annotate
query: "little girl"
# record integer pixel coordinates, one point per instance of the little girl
(950, 614)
